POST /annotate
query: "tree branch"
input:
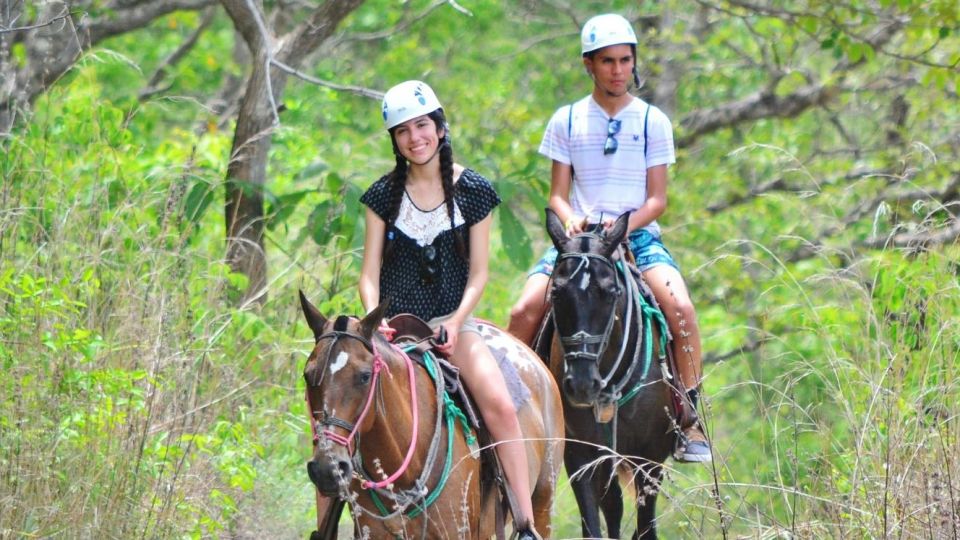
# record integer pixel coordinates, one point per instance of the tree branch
(760, 105)
(401, 25)
(63, 15)
(137, 16)
(920, 240)
(357, 90)
(175, 57)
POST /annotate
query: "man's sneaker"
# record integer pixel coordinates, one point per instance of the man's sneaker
(529, 534)
(693, 447)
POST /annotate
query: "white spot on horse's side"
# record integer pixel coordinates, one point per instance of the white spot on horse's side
(338, 364)
(584, 281)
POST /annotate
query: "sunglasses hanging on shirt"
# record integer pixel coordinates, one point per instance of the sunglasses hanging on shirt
(610, 145)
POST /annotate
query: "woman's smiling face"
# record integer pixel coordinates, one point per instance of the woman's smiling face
(418, 139)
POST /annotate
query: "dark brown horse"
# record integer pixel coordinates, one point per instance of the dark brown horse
(615, 395)
(387, 444)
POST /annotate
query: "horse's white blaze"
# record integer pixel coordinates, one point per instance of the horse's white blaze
(584, 281)
(340, 361)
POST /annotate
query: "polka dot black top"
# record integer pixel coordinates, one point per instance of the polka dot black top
(422, 272)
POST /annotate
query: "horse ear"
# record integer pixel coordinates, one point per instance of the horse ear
(315, 320)
(555, 229)
(371, 322)
(615, 234)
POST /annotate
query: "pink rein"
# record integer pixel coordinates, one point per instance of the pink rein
(378, 365)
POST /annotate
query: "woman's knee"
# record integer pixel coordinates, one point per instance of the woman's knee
(499, 409)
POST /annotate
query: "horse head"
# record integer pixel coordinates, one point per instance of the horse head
(586, 291)
(341, 373)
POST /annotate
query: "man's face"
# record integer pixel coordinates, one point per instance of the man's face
(612, 69)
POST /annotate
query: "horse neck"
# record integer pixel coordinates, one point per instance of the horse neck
(389, 438)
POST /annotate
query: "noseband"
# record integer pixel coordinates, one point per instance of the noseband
(583, 339)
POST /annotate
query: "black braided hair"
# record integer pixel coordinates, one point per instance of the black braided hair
(397, 179)
(449, 190)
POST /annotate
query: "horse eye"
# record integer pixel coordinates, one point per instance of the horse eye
(363, 378)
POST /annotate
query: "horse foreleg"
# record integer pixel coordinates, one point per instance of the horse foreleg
(612, 505)
(582, 471)
(648, 487)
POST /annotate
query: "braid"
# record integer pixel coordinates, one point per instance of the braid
(449, 190)
(397, 179)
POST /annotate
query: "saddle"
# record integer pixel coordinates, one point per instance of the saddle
(411, 329)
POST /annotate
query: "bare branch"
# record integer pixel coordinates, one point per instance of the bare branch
(749, 346)
(760, 105)
(401, 25)
(948, 234)
(358, 90)
(63, 15)
(781, 185)
(137, 16)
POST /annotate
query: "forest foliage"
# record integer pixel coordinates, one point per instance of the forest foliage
(813, 210)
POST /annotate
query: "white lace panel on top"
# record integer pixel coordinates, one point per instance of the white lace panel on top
(422, 226)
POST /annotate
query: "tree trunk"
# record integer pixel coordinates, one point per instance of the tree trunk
(247, 170)
(246, 176)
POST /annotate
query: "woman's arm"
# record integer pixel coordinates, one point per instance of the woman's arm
(656, 202)
(476, 280)
(372, 259)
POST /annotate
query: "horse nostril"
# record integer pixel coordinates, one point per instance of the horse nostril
(344, 468)
(313, 471)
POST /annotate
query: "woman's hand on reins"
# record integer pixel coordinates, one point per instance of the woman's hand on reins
(388, 331)
(447, 346)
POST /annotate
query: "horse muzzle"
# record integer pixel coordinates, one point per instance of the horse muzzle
(330, 477)
(582, 385)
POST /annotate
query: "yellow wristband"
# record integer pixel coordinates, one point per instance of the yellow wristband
(567, 224)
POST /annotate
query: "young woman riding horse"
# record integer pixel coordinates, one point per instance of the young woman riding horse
(426, 253)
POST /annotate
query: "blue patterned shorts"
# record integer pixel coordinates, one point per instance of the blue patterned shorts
(645, 246)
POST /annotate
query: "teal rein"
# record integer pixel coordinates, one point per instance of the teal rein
(649, 313)
(452, 413)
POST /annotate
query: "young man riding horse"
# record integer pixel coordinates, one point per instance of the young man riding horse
(610, 153)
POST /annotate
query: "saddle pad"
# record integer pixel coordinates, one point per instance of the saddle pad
(502, 346)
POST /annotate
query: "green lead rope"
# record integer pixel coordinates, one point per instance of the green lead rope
(451, 412)
(649, 314)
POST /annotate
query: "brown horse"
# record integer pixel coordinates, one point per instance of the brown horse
(616, 396)
(387, 444)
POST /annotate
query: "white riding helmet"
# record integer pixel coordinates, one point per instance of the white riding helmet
(407, 100)
(606, 30)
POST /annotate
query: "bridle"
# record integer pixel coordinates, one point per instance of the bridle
(328, 420)
(575, 346)
(419, 495)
